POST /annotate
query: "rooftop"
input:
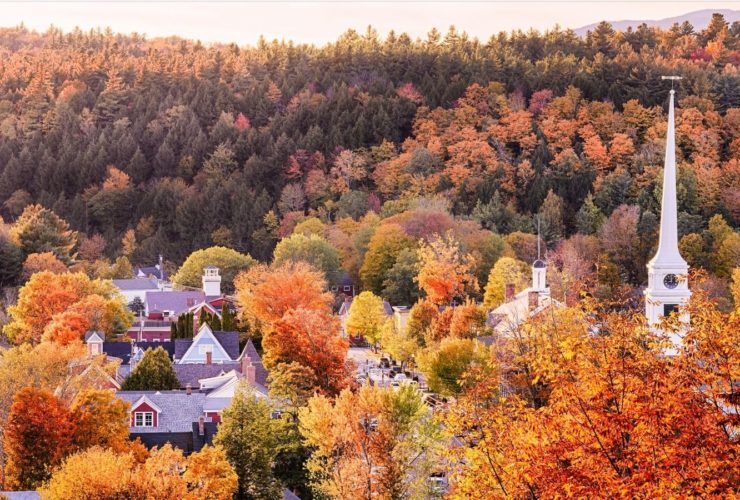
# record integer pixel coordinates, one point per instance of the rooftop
(136, 284)
(179, 409)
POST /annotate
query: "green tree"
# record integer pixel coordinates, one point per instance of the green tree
(445, 365)
(230, 263)
(399, 286)
(551, 218)
(589, 217)
(11, 262)
(39, 230)
(382, 251)
(247, 436)
(153, 373)
(313, 250)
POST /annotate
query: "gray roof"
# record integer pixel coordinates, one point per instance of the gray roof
(179, 410)
(289, 495)
(387, 308)
(19, 495)
(90, 333)
(151, 271)
(191, 373)
(260, 373)
(136, 284)
(228, 340)
(172, 301)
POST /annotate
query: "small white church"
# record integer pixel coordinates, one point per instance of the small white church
(668, 284)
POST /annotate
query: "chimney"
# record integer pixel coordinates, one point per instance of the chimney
(188, 389)
(533, 300)
(209, 357)
(249, 371)
(509, 292)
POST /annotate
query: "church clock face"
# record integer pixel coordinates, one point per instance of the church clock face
(670, 281)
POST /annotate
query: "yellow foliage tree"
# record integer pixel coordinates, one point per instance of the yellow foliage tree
(366, 317)
(506, 271)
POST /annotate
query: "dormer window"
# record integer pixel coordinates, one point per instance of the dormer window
(144, 419)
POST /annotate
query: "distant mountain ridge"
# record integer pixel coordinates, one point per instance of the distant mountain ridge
(699, 19)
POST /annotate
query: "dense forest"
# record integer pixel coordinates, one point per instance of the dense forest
(167, 145)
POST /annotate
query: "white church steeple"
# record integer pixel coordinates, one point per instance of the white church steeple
(539, 268)
(668, 287)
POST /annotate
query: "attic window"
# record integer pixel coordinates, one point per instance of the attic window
(143, 419)
(202, 349)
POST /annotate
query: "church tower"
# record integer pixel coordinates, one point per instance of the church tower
(668, 286)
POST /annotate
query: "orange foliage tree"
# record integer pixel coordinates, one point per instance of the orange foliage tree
(310, 338)
(47, 294)
(38, 436)
(613, 415)
(265, 294)
(445, 273)
(46, 261)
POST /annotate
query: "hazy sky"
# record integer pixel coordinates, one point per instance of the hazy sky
(319, 22)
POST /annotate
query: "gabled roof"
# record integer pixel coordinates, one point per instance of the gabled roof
(121, 350)
(218, 380)
(151, 271)
(250, 351)
(93, 336)
(132, 284)
(175, 301)
(192, 373)
(344, 308)
(509, 315)
(387, 308)
(145, 400)
(228, 340)
(178, 410)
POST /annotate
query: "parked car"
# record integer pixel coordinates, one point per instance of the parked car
(385, 363)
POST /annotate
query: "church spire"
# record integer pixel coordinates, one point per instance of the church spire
(668, 288)
(668, 245)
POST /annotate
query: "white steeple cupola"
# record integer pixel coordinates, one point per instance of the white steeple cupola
(211, 281)
(539, 276)
(539, 268)
(668, 287)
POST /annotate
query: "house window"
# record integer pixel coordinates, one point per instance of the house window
(334, 288)
(347, 288)
(202, 349)
(143, 419)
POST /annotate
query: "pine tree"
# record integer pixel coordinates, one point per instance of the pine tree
(589, 218)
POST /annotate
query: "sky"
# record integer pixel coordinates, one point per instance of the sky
(322, 22)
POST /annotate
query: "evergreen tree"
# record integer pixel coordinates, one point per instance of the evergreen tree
(589, 217)
(153, 373)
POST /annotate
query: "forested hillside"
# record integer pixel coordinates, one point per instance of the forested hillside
(166, 146)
